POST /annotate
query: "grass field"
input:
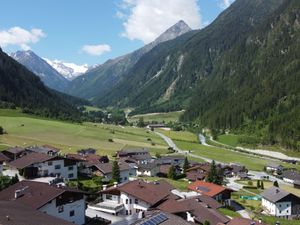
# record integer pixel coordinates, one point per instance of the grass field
(229, 212)
(229, 139)
(180, 135)
(25, 130)
(159, 117)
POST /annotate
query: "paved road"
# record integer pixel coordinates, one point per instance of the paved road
(170, 142)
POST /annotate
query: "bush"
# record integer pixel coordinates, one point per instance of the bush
(110, 140)
(1, 130)
(250, 183)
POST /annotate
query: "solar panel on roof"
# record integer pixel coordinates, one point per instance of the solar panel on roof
(204, 189)
(155, 220)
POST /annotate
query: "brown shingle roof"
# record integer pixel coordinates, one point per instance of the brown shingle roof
(29, 159)
(22, 215)
(151, 193)
(243, 221)
(201, 209)
(106, 168)
(3, 158)
(15, 150)
(34, 194)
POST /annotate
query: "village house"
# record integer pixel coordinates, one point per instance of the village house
(62, 203)
(137, 156)
(280, 203)
(148, 169)
(290, 176)
(155, 217)
(3, 159)
(14, 153)
(199, 172)
(133, 197)
(197, 209)
(237, 170)
(18, 214)
(273, 168)
(244, 221)
(165, 168)
(45, 149)
(215, 191)
(34, 165)
(105, 170)
(172, 160)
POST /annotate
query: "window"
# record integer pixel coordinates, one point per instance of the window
(130, 201)
(71, 175)
(60, 209)
(109, 197)
(280, 211)
(57, 167)
(126, 201)
(72, 213)
(126, 212)
(130, 212)
(70, 168)
(50, 163)
(279, 205)
(287, 205)
(136, 201)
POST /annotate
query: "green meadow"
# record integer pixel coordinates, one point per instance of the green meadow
(159, 117)
(24, 130)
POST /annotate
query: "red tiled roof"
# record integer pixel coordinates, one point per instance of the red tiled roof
(206, 188)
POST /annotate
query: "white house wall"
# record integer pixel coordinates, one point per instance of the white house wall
(65, 172)
(77, 206)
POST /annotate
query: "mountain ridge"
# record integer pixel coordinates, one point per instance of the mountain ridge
(41, 68)
(99, 80)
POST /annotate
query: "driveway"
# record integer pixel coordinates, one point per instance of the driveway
(94, 213)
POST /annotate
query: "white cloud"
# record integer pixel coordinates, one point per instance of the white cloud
(225, 3)
(96, 49)
(20, 37)
(145, 20)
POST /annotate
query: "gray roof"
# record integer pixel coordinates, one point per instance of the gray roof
(274, 194)
(147, 166)
(292, 175)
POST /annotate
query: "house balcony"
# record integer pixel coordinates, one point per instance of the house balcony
(108, 207)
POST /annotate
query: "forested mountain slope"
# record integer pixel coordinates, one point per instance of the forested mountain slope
(22, 88)
(164, 78)
(255, 86)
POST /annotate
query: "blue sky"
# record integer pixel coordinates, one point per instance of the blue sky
(92, 31)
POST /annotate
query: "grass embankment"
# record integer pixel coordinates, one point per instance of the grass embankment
(159, 117)
(189, 141)
(232, 140)
(24, 130)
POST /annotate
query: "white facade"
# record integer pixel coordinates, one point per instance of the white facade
(279, 209)
(73, 212)
(131, 204)
(288, 180)
(124, 175)
(148, 172)
(56, 167)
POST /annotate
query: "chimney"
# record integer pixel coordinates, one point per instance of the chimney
(259, 221)
(252, 223)
(104, 187)
(7, 218)
(17, 194)
(115, 184)
(277, 191)
(277, 223)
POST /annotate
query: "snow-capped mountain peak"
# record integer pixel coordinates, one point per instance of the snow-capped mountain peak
(68, 70)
